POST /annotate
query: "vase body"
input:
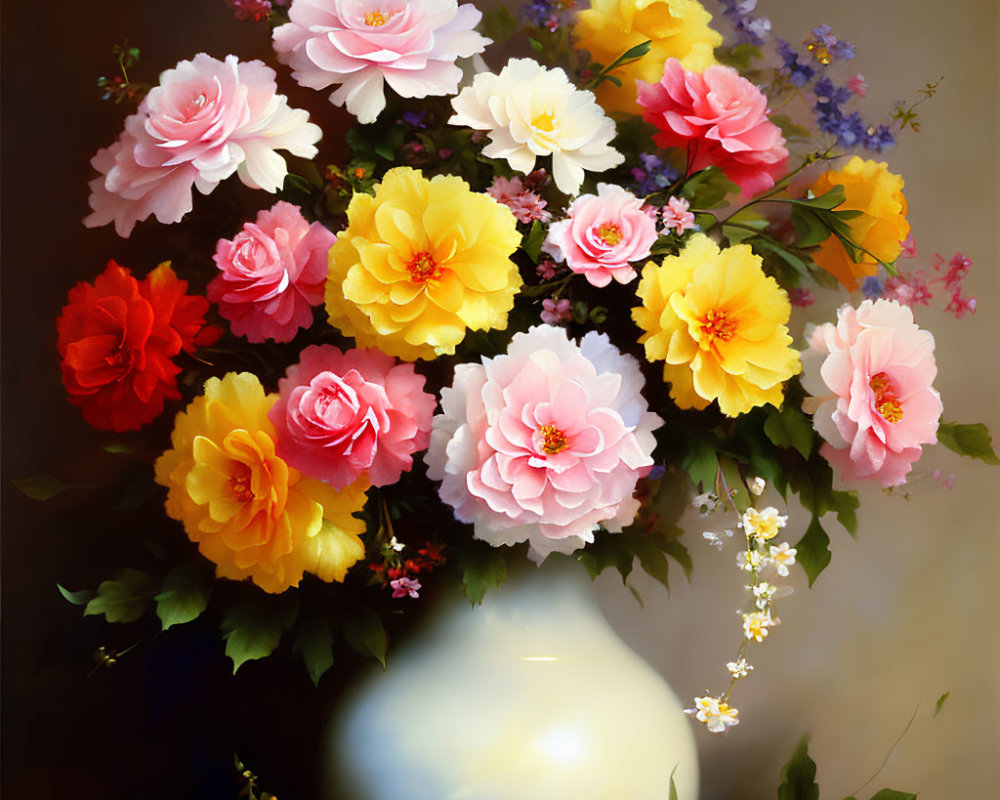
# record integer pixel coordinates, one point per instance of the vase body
(530, 695)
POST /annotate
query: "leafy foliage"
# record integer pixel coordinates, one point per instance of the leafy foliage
(253, 629)
(314, 644)
(125, 598)
(364, 632)
(798, 776)
(972, 441)
(184, 594)
(483, 567)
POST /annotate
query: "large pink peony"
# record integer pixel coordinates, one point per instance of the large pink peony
(544, 443)
(361, 44)
(721, 118)
(206, 120)
(604, 232)
(340, 415)
(272, 273)
(870, 377)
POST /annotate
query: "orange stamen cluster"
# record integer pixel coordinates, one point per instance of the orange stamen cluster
(716, 325)
(422, 267)
(239, 483)
(886, 402)
(553, 440)
(610, 234)
(376, 19)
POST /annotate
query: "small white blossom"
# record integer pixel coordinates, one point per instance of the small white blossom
(706, 503)
(757, 485)
(716, 716)
(715, 540)
(763, 524)
(739, 668)
(764, 593)
(395, 544)
(750, 560)
(755, 625)
(782, 557)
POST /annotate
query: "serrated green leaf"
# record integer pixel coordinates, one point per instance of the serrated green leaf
(845, 504)
(680, 554)
(893, 794)
(940, 703)
(651, 558)
(701, 462)
(79, 598)
(44, 486)
(364, 633)
(972, 441)
(812, 551)
(788, 427)
(604, 552)
(123, 599)
(798, 776)
(184, 594)
(482, 567)
(314, 643)
(533, 239)
(253, 629)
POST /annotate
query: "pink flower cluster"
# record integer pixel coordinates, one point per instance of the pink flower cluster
(205, 120)
(525, 204)
(914, 288)
(342, 415)
(721, 118)
(272, 273)
(677, 216)
(544, 443)
(870, 379)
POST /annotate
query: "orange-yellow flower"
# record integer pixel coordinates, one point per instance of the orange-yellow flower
(675, 28)
(720, 324)
(420, 262)
(248, 511)
(881, 227)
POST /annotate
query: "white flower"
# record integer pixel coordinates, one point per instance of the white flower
(763, 592)
(757, 484)
(532, 111)
(763, 524)
(705, 503)
(750, 560)
(716, 716)
(739, 668)
(756, 623)
(782, 557)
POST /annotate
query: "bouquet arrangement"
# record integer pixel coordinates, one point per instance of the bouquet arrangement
(554, 292)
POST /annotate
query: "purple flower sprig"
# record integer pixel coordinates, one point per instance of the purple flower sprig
(749, 29)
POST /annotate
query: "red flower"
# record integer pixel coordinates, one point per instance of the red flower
(117, 338)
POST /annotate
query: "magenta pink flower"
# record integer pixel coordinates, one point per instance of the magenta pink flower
(523, 203)
(340, 415)
(206, 120)
(602, 235)
(870, 379)
(677, 216)
(544, 443)
(361, 44)
(403, 587)
(272, 273)
(721, 118)
(555, 311)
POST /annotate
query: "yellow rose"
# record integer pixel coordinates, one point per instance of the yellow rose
(676, 28)
(249, 512)
(881, 227)
(419, 263)
(720, 324)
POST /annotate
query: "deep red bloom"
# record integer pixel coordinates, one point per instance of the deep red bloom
(117, 338)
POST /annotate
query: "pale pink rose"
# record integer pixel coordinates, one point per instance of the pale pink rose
(272, 273)
(544, 443)
(341, 415)
(206, 120)
(721, 119)
(361, 44)
(870, 379)
(602, 235)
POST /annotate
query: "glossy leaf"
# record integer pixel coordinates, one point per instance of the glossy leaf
(125, 598)
(798, 776)
(483, 567)
(184, 594)
(972, 441)
(314, 644)
(812, 551)
(364, 632)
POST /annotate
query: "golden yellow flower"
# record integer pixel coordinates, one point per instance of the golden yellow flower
(249, 512)
(720, 324)
(676, 28)
(870, 188)
(419, 263)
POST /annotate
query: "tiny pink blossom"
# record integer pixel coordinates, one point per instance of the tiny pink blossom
(910, 289)
(341, 415)
(801, 297)
(256, 10)
(204, 121)
(401, 587)
(676, 215)
(555, 311)
(858, 85)
(948, 481)
(909, 247)
(272, 273)
(525, 204)
(870, 379)
(602, 235)
(546, 269)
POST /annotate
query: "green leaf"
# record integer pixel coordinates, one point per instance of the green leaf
(651, 558)
(498, 24)
(812, 551)
(701, 462)
(363, 631)
(788, 427)
(809, 228)
(483, 567)
(123, 599)
(738, 56)
(845, 504)
(825, 202)
(739, 496)
(708, 188)
(798, 776)
(973, 441)
(607, 551)
(314, 643)
(121, 446)
(80, 598)
(786, 255)
(533, 239)
(789, 129)
(672, 795)
(940, 702)
(45, 486)
(184, 594)
(253, 629)
(893, 794)
(680, 554)
(535, 45)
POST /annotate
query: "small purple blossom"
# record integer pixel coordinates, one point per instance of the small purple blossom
(749, 29)
(798, 74)
(836, 48)
(549, 14)
(401, 587)
(653, 175)
(555, 311)
(871, 288)
(415, 119)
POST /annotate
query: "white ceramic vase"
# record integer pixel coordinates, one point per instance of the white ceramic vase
(531, 696)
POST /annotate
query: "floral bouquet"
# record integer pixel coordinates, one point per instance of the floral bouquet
(602, 283)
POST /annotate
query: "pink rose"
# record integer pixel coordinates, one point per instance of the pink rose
(603, 233)
(721, 118)
(339, 415)
(870, 377)
(206, 120)
(272, 273)
(544, 443)
(360, 44)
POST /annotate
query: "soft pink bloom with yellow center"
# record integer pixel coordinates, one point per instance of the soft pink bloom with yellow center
(870, 379)
(544, 443)
(362, 44)
(602, 234)
(343, 415)
(206, 120)
(272, 273)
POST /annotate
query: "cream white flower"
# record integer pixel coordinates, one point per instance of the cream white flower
(782, 557)
(739, 668)
(756, 623)
(531, 111)
(717, 716)
(757, 484)
(763, 524)
(750, 560)
(763, 593)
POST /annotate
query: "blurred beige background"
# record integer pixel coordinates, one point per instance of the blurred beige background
(909, 610)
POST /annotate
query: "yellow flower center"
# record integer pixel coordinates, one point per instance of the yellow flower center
(239, 483)
(610, 234)
(820, 51)
(376, 19)
(886, 402)
(553, 440)
(422, 267)
(546, 121)
(717, 325)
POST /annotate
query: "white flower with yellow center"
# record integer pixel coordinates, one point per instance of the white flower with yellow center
(716, 715)
(782, 556)
(756, 623)
(763, 524)
(531, 111)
